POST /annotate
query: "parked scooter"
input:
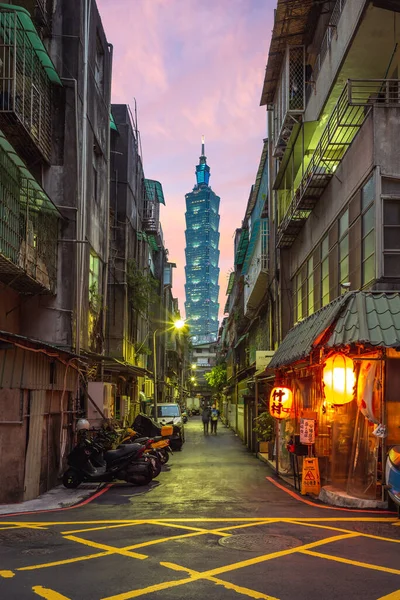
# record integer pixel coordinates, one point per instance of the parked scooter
(127, 463)
(158, 448)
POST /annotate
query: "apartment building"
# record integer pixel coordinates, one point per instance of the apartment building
(331, 90)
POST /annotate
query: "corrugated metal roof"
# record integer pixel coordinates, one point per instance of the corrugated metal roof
(371, 318)
(299, 341)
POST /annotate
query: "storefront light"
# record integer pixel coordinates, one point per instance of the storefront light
(280, 402)
(339, 379)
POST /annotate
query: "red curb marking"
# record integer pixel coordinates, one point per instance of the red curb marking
(353, 510)
(82, 503)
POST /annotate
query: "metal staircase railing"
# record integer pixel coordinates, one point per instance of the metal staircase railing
(352, 108)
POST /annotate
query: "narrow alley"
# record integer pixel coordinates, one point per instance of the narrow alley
(212, 525)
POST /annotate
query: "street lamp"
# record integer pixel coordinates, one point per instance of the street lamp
(176, 325)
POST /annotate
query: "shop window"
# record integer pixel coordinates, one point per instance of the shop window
(325, 271)
(391, 237)
(344, 247)
(368, 232)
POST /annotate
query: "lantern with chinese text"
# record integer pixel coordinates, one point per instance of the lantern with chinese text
(339, 379)
(280, 402)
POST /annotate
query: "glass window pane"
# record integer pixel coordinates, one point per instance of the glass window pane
(392, 265)
(344, 247)
(343, 223)
(368, 193)
(310, 266)
(368, 246)
(391, 238)
(368, 269)
(344, 270)
(391, 212)
(324, 247)
(325, 268)
(368, 221)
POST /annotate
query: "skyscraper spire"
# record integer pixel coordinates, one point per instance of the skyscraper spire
(202, 169)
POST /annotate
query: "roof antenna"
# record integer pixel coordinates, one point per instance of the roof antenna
(202, 145)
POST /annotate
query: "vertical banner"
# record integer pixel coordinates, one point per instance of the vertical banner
(307, 431)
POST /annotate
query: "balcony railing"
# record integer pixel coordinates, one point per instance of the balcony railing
(153, 197)
(28, 228)
(352, 108)
(26, 81)
(289, 103)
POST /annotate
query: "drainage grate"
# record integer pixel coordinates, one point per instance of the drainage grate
(259, 542)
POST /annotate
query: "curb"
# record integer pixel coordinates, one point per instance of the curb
(96, 494)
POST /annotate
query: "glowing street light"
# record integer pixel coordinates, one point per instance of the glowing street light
(176, 325)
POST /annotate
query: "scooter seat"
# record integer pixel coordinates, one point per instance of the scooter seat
(121, 451)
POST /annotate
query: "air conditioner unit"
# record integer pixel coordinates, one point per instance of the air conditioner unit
(103, 396)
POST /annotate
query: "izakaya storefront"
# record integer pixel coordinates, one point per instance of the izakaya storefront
(342, 367)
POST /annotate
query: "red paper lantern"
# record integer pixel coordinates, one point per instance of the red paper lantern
(280, 402)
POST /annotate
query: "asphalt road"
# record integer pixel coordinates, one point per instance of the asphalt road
(211, 527)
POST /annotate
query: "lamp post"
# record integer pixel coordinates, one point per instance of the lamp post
(178, 324)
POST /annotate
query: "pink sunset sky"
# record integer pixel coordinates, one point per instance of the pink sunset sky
(194, 67)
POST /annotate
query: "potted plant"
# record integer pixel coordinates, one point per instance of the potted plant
(264, 427)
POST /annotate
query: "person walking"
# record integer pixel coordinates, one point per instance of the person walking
(205, 417)
(214, 419)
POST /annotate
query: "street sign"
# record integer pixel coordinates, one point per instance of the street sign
(263, 358)
(310, 481)
(307, 431)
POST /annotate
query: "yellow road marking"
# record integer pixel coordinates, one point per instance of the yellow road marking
(348, 561)
(227, 584)
(111, 549)
(7, 574)
(102, 528)
(166, 585)
(48, 594)
(67, 561)
(198, 529)
(392, 596)
(368, 535)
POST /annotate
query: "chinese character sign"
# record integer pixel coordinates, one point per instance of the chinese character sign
(280, 402)
(307, 431)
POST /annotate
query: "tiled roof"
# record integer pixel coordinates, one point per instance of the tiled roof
(299, 341)
(371, 318)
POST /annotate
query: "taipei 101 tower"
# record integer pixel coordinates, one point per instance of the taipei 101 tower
(202, 256)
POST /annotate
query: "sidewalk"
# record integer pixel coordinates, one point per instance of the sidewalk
(57, 498)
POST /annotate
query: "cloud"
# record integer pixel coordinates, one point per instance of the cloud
(194, 68)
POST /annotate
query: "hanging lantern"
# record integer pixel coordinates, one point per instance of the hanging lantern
(280, 402)
(339, 379)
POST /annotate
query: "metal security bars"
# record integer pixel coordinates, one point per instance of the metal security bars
(25, 88)
(353, 106)
(28, 232)
(289, 101)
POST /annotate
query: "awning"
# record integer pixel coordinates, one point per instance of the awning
(230, 283)
(371, 318)
(299, 341)
(242, 247)
(112, 123)
(153, 242)
(114, 365)
(154, 191)
(24, 23)
(40, 199)
(32, 343)
(240, 340)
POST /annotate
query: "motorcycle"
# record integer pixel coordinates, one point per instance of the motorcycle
(126, 463)
(158, 448)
